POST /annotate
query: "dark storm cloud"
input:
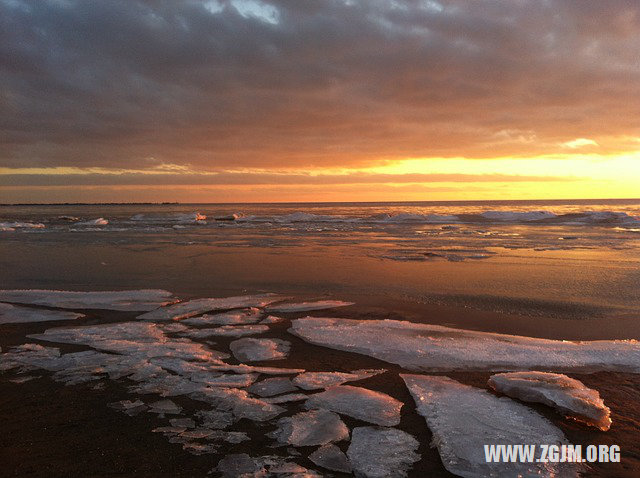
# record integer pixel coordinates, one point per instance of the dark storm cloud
(301, 83)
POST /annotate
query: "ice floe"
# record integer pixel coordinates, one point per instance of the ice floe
(272, 386)
(253, 350)
(227, 331)
(233, 317)
(307, 306)
(184, 310)
(564, 393)
(357, 402)
(318, 380)
(129, 407)
(163, 407)
(12, 314)
(131, 338)
(242, 465)
(128, 300)
(377, 452)
(438, 348)
(224, 380)
(239, 403)
(291, 397)
(332, 458)
(315, 427)
(449, 408)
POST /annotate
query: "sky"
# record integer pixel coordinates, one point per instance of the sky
(306, 100)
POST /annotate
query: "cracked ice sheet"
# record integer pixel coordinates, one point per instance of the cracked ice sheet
(437, 348)
(449, 408)
(227, 331)
(239, 403)
(233, 317)
(566, 394)
(357, 402)
(377, 452)
(184, 310)
(254, 350)
(317, 380)
(272, 386)
(131, 338)
(308, 306)
(12, 314)
(315, 427)
(126, 300)
(331, 458)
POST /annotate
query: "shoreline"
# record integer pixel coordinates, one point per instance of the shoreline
(53, 429)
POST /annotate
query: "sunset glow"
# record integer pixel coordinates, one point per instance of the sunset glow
(338, 101)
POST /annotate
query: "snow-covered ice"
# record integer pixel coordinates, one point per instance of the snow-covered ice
(13, 314)
(566, 394)
(315, 427)
(332, 458)
(449, 408)
(438, 348)
(232, 317)
(272, 386)
(128, 300)
(377, 452)
(307, 306)
(357, 402)
(185, 310)
(318, 380)
(253, 350)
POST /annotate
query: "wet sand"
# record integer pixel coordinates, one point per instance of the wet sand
(49, 429)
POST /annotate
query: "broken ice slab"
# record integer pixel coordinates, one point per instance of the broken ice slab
(213, 379)
(243, 368)
(307, 306)
(449, 408)
(253, 350)
(318, 380)
(438, 348)
(271, 319)
(566, 394)
(28, 357)
(217, 419)
(226, 331)
(291, 397)
(131, 338)
(357, 402)
(163, 407)
(239, 403)
(272, 386)
(24, 378)
(332, 458)
(200, 448)
(128, 300)
(242, 465)
(13, 314)
(377, 452)
(315, 427)
(129, 407)
(184, 310)
(233, 317)
(182, 422)
(172, 430)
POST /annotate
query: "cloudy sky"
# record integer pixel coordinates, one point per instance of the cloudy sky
(303, 100)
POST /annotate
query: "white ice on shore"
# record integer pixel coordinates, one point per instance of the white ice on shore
(185, 310)
(307, 306)
(566, 394)
(272, 386)
(357, 402)
(226, 331)
(13, 314)
(438, 348)
(127, 300)
(315, 427)
(253, 350)
(232, 317)
(463, 419)
(318, 380)
(377, 452)
(331, 457)
(131, 338)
